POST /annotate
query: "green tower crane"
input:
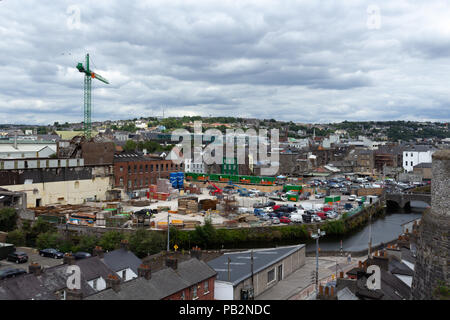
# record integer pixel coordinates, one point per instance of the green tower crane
(89, 75)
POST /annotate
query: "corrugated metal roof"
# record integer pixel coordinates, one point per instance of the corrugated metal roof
(240, 266)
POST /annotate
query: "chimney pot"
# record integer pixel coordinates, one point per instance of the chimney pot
(145, 271)
(113, 281)
(98, 251)
(341, 274)
(124, 244)
(69, 259)
(35, 268)
(172, 263)
(327, 291)
(332, 291)
(321, 290)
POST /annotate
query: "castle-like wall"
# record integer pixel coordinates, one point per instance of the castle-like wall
(433, 245)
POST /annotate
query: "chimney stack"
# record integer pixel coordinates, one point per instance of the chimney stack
(321, 290)
(124, 244)
(35, 268)
(360, 264)
(341, 274)
(172, 263)
(145, 271)
(196, 252)
(98, 251)
(74, 294)
(327, 291)
(113, 281)
(69, 259)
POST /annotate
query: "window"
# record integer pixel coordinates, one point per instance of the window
(140, 168)
(182, 296)
(121, 169)
(135, 168)
(129, 169)
(124, 274)
(142, 182)
(205, 287)
(167, 167)
(94, 284)
(121, 182)
(129, 184)
(146, 168)
(195, 292)
(270, 275)
(151, 168)
(157, 167)
(135, 183)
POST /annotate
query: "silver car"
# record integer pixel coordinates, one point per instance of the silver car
(275, 220)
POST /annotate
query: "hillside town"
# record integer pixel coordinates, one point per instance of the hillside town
(82, 194)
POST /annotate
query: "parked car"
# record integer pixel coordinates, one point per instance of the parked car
(10, 273)
(81, 255)
(352, 197)
(17, 257)
(322, 215)
(332, 214)
(52, 253)
(315, 218)
(264, 217)
(296, 218)
(275, 220)
(320, 195)
(285, 220)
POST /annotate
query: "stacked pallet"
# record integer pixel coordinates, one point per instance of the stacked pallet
(207, 204)
(191, 224)
(187, 205)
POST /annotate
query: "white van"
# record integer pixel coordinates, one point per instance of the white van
(297, 218)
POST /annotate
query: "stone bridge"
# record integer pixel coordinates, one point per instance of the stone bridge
(404, 199)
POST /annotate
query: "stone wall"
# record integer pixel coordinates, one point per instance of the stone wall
(433, 243)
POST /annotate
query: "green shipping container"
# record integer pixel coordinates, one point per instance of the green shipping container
(292, 197)
(288, 187)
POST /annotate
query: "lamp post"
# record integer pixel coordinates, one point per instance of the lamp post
(317, 236)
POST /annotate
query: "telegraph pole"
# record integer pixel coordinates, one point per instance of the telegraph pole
(317, 236)
(168, 232)
(370, 235)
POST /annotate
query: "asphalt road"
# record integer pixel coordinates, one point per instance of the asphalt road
(33, 256)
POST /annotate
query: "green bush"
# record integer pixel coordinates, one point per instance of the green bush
(8, 219)
(110, 240)
(47, 240)
(143, 243)
(16, 237)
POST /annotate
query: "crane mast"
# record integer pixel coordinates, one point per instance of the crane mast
(88, 76)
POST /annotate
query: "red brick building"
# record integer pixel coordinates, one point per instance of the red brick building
(136, 172)
(203, 290)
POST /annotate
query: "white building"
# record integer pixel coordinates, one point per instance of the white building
(194, 167)
(26, 149)
(415, 155)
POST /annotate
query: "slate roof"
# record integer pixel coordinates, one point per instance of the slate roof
(346, 294)
(162, 283)
(240, 268)
(51, 280)
(397, 267)
(423, 165)
(121, 259)
(24, 287)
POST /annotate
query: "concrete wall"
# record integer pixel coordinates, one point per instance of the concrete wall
(63, 192)
(289, 265)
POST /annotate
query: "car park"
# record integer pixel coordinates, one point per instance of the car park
(10, 273)
(17, 257)
(52, 253)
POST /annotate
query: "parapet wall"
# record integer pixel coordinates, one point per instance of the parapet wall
(433, 245)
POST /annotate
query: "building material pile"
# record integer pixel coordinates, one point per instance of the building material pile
(187, 205)
(207, 204)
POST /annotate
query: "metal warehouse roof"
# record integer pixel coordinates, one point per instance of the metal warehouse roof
(240, 268)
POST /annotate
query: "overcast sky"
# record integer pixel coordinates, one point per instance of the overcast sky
(305, 61)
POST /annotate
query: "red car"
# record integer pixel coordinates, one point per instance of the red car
(285, 220)
(325, 209)
(321, 215)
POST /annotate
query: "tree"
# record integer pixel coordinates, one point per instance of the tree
(111, 240)
(16, 237)
(87, 243)
(8, 218)
(47, 240)
(130, 145)
(142, 242)
(40, 226)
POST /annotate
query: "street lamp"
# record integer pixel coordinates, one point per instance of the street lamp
(317, 236)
